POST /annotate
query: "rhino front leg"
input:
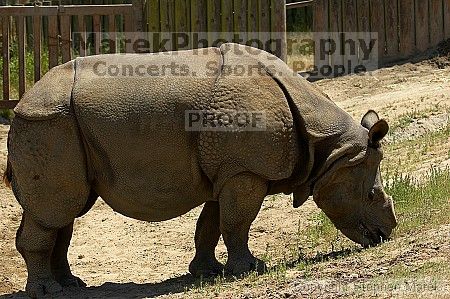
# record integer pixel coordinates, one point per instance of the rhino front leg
(240, 201)
(60, 264)
(207, 235)
(35, 243)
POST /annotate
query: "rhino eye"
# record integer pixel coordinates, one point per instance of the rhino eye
(371, 194)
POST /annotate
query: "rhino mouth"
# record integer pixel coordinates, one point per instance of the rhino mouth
(365, 236)
(374, 236)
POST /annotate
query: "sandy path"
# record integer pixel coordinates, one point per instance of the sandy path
(120, 257)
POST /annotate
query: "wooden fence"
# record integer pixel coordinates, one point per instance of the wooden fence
(405, 27)
(91, 22)
(219, 16)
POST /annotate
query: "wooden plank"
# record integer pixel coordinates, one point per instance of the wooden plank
(320, 16)
(377, 26)
(213, 17)
(422, 30)
(128, 29)
(240, 19)
(363, 19)
(37, 47)
(407, 30)
(97, 34)
(91, 10)
(335, 11)
(278, 26)
(446, 19)
(199, 23)
(167, 14)
(301, 4)
(83, 35)
(138, 15)
(227, 20)
(252, 20)
(20, 23)
(11, 104)
(182, 19)
(363, 15)
(320, 32)
(391, 21)
(436, 22)
(350, 27)
(154, 25)
(112, 36)
(5, 55)
(153, 16)
(264, 20)
(53, 41)
(29, 10)
(65, 38)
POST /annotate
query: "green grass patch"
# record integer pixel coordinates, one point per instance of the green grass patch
(29, 70)
(421, 205)
(428, 268)
(404, 120)
(408, 154)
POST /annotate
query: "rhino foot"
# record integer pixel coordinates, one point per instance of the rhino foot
(242, 266)
(41, 288)
(205, 267)
(71, 281)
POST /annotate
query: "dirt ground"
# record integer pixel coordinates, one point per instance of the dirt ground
(120, 257)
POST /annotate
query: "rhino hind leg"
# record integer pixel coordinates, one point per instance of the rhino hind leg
(240, 201)
(49, 180)
(35, 244)
(207, 235)
(59, 263)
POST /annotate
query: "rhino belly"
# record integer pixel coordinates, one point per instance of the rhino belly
(151, 176)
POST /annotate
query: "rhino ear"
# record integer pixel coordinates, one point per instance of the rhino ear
(378, 128)
(301, 194)
(378, 131)
(369, 119)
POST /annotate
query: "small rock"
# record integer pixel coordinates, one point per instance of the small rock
(80, 256)
(353, 276)
(383, 270)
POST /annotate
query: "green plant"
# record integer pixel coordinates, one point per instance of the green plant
(29, 69)
(420, 205)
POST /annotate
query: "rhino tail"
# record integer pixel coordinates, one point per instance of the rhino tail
(7, 176)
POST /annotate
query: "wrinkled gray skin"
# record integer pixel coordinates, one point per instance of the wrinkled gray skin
(77, 136)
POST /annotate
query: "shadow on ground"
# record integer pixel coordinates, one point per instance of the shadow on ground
(170, 286)
(123, 290)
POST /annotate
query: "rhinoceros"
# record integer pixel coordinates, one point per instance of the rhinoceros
(119, 127)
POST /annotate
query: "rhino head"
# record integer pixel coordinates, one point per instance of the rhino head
(351, 192)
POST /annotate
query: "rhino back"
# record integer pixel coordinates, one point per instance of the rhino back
(144, 162)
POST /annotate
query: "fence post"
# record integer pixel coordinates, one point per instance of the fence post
(5, 47)
(278, 28)
(446, 19)
(321, 30)
(138, 12)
